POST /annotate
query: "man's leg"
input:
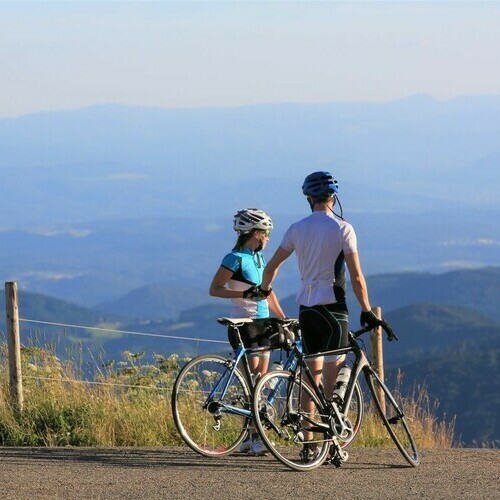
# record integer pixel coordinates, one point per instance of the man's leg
(316, 367)
(331, 369)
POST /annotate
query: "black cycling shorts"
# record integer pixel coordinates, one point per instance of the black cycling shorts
(324, 327)
(255, 334)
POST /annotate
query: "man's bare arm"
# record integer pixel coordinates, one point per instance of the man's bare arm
(273, 266)
(275, 306)
(358, 280)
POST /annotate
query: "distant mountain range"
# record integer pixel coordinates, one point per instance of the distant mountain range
(100, 262)
(41, 307)
(156, 302)
(475, 289)
(99, 201)
(106, 161)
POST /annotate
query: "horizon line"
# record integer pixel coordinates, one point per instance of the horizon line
(409, 97)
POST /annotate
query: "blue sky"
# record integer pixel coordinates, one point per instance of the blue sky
(64, 55)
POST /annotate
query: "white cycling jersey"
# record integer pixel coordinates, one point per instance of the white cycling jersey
(320, 241)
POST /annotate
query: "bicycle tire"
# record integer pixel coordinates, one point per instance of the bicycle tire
(355, 414)
(284, 426)
(195, 424)
(393, 417)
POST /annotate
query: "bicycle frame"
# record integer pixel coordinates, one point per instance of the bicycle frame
(241, 355)
(361, 363)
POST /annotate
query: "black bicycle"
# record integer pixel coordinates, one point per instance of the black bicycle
(303, 429)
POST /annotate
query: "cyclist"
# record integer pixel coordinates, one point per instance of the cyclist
(323, 242)
(238, 278)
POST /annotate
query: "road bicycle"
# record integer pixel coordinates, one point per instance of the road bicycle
(212, 397)
(302, 428)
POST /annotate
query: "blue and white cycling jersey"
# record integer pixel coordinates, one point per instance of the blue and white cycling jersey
(247, 268)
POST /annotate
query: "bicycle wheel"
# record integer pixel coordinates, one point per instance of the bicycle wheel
(393, 417)
(209, 426)
(355, 414)
(290, 420)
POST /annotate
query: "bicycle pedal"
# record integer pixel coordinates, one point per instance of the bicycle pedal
(337, 462)
(338, 458)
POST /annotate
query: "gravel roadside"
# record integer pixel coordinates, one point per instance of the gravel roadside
(178, 473)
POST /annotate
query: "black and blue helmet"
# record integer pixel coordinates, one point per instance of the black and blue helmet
(319, 184)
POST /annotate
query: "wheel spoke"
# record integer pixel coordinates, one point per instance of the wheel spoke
(202, 416)
(290, 418)
(354, 414)
(390, 410)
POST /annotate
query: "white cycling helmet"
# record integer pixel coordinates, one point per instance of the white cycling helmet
(251, 218)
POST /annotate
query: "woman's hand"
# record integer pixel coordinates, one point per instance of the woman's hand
(254, 293)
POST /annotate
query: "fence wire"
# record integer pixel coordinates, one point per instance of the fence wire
(127, 332)
(109, 330)
(91, 382)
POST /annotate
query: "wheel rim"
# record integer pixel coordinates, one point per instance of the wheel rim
(286, 422)
(211, 431)
(354, 414)
(389, 407)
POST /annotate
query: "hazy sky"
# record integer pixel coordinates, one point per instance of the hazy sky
(61, 55)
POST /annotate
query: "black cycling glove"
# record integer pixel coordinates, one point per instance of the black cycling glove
(369, 320)
(253, 293)
(265, 293)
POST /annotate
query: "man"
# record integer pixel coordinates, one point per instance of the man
(324, 243)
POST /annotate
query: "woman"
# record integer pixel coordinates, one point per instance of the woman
(238, 278)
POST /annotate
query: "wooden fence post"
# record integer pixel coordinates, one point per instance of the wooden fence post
(14, 344)
(378, 353)
(376, 345)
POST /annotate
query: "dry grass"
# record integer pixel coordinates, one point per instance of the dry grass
(420, 411)
(60, 412)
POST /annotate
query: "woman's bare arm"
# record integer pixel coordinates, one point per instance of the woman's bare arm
(218, 286)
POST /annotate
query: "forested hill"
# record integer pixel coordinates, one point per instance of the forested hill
(41, 307)
(431, 327)
(476, 289)
(455, 353)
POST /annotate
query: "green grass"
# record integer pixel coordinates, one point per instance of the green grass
(60, 412)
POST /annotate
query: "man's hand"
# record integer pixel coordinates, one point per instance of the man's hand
(369, 320)
(265, 293)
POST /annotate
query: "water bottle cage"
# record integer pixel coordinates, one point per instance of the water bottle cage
(341, 385)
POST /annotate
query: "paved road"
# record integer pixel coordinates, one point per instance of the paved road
(178, 473)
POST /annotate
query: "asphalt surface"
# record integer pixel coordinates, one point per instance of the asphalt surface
(178, 473)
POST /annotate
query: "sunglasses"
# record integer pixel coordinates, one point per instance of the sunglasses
(267, 232)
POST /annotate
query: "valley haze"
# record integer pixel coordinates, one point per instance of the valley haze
(102, 200)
